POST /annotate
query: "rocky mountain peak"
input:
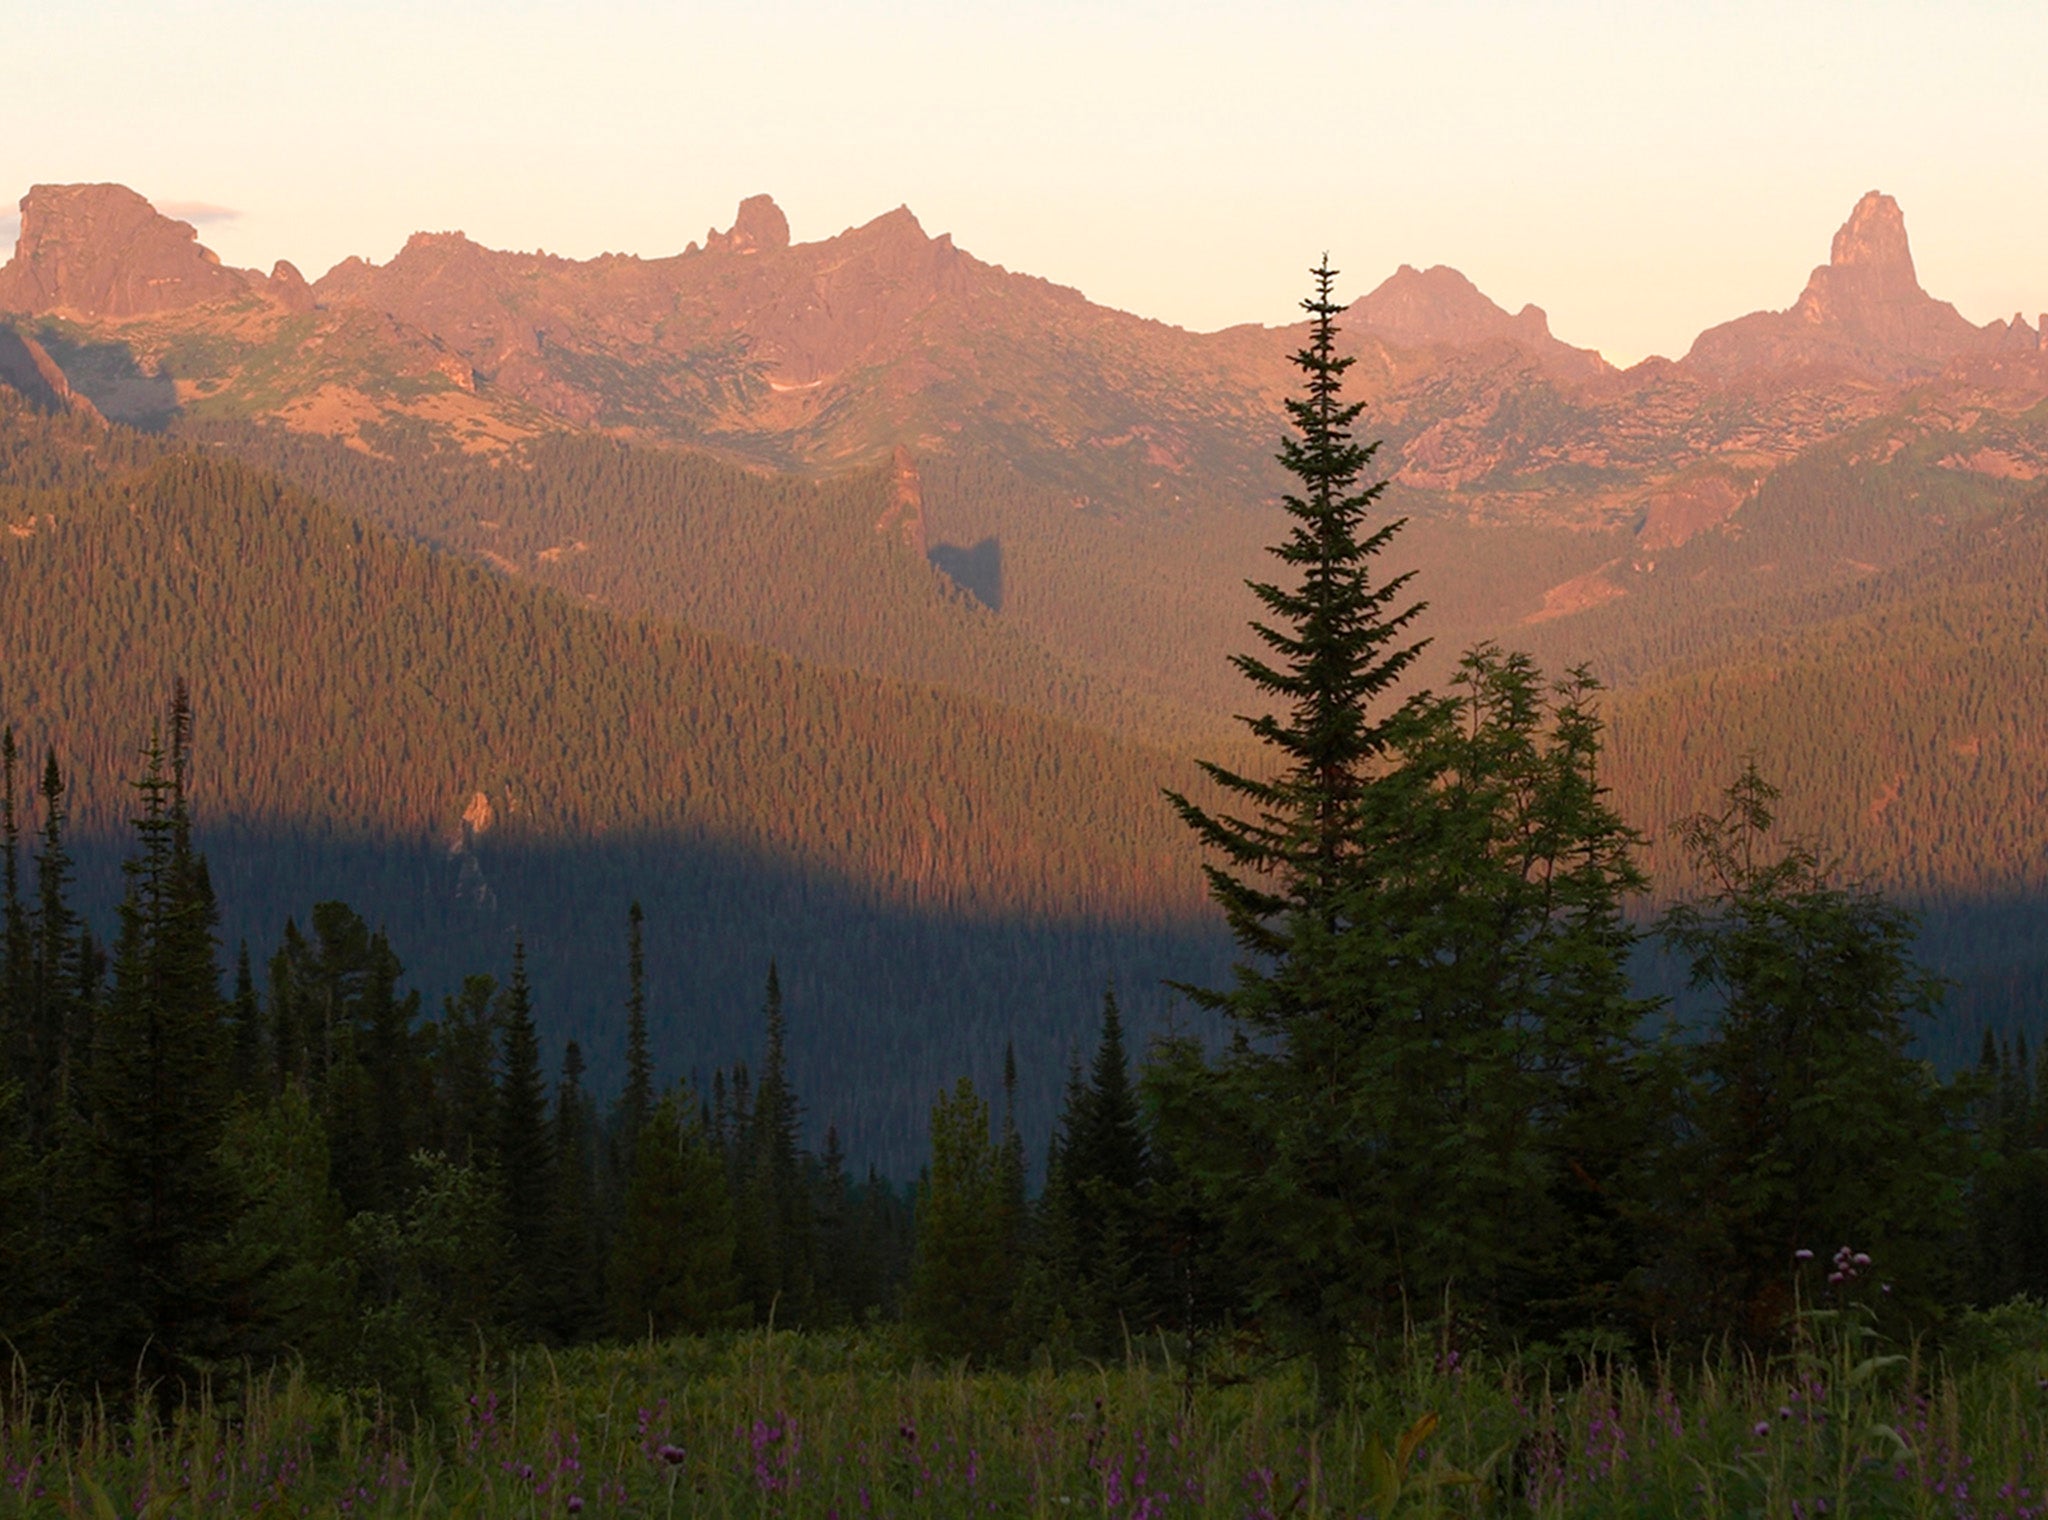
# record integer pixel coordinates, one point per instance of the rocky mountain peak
(1863, 311)
(1874, 237)
(104, 251)
(1437, 305)
(1419, 308)
(1870, 266)
(760, 227)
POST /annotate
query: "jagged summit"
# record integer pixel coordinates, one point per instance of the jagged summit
(1440, 306)
(1863, 310)
(102, 251)
(1874, 238)
(760, 227)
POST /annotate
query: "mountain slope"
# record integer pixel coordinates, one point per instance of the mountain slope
(1909, 734)
(466, 757)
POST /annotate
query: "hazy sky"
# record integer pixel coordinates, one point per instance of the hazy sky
(1640, 170)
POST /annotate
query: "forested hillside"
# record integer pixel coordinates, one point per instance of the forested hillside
(1068, 604)
(462, 757)
(1909, 731)
(833, 571)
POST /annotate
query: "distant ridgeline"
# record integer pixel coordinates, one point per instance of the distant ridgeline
(465, 758)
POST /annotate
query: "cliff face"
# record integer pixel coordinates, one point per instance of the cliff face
(1862, 311)
(103, 252)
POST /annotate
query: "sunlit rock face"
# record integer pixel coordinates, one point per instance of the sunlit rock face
(102, 251)
(1863, 310)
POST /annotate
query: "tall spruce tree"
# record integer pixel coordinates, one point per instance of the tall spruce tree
(636, 1097)
(525, 1150)
(1434, 1027)
(671, 1270)
(60, 998)
(1098, 1203)
(777, 1257)
(160, 1295)
(961, 1285)
(574, 1286)
(16, 973)
(1336, 643)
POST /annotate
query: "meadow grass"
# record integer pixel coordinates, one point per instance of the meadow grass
(777, 1423)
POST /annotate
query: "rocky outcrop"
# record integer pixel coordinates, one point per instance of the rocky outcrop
(1862, 311)
(27, 368)
(760, 228)
(102, 252)
(903, 518)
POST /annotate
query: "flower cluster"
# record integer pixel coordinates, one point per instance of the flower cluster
(1847, 1266)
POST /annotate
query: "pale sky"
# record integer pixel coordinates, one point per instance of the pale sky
(1639, 170)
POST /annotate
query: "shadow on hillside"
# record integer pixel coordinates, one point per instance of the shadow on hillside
(887, 1003)
(978, 570)
(108, 375)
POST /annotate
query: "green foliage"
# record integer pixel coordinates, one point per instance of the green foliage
(1813, 1124)
(1099, 1258)
(771, 1193)
(153, 1201)
(963, 1282)
(359, 693)
(525, 1153)
(288, 1235)
(672, 1267)
(1429, 1082)
(820, 1424)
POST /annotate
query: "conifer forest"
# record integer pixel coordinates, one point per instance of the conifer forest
(728, 1024)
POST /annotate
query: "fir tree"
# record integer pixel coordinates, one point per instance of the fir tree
(774, 1212)
(575, 1287)
(671, 1270)
(246, 1072)
(161, 1292)
(61, 998)
(961, 1286)
(16, 970)
(462, 1067)
(637, 1096)
(1434, 1032)
(1336, 644)
(525, 1156)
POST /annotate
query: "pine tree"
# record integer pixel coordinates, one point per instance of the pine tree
(462, 1067)
(637, 1096)
(1015, 1182)
(671, 1271)
(1433, 1027)
(162, 1295)
(839, 1289)
(246, 1074)
(575, 1288)
(1105, 1177)
(776, 1247)
(1336, 644)
(524, 1150)
(16, 971)
(961, 1287)
(60, 1000)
